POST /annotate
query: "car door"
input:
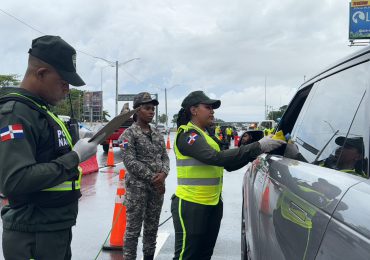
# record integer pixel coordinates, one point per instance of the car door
(304, 186)
(254, 181)
(348, 233)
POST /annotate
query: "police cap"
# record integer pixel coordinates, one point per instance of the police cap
(144, 98)
(198, 97)
(59, 54)
(355, 142)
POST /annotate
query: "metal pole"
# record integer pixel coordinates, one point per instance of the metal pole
(265, 100)
(116, 88)
(165, 98)
(156, 111)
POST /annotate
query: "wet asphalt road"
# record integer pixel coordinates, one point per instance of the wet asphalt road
(97, 204)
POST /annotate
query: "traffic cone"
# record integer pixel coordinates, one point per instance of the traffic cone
(119, 218)
(168, 145)
(110, 158)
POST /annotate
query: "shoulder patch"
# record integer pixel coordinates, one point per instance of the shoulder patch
(11, 132)
(192, 138)
(7, 107)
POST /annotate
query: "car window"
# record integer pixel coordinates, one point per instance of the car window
(334, 119)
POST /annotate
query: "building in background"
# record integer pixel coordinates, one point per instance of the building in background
(93, 106)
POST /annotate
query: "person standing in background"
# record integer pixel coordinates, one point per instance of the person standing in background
(146, 160)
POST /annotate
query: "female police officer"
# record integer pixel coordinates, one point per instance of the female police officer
(146, 160)
(197, 206)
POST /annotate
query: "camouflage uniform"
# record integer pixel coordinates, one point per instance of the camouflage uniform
(144, 155)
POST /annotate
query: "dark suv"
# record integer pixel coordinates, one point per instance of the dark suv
(311, 200)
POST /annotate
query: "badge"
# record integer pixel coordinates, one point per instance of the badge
(124, 144)
(192, 138)
(11, 132)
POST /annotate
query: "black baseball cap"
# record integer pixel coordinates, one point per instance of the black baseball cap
(198, 97)
(355, 142)
(59, 54)
(144, 98)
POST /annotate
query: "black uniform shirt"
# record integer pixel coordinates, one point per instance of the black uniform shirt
(30, 162)
(231, 159)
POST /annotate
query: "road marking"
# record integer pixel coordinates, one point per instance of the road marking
(161, 240)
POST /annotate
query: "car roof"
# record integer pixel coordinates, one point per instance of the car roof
(338, 65)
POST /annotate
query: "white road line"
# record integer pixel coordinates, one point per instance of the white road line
(161, 239)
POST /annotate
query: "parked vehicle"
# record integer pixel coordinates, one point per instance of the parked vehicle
(302, 202)
(116, 134)
(162, 129)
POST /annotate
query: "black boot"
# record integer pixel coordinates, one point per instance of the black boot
(148, 257)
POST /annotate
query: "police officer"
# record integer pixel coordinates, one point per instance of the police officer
(39, 165)
(197, 206)
(145, 158)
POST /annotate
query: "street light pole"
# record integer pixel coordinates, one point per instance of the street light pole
(115, 64)
(165, 98)
(116, 88)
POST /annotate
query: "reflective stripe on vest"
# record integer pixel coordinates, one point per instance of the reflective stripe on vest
(198, 182)
(189, 162)
(67, 185)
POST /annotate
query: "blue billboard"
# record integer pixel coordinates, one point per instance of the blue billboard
(359, 22)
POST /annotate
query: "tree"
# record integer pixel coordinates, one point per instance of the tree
(64, 108)
(174, 119)
(275, 114)
(9, 80)
(105, 115)
(162, 118)
(218, 120)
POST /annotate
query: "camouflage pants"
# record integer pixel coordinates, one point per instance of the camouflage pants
(143, 205)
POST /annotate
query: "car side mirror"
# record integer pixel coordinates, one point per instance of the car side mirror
(254, 136)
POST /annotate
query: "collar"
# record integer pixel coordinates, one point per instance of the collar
(37, 99)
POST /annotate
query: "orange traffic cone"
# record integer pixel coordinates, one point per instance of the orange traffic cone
(110, 158)
(119, 218)
(168, 145)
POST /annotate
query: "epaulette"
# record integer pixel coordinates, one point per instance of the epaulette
(7, 107)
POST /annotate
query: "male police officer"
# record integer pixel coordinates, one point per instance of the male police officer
(39, 165)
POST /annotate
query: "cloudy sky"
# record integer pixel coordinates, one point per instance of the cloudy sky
(226, 48)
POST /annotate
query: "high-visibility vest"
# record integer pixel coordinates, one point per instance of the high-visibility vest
(67, 185)
(196, 181)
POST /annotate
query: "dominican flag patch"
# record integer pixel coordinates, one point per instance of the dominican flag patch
(192, 138)
(11, 132)
(124, 144)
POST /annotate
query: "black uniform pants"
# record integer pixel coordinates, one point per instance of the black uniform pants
(54, 245)
(196, 228)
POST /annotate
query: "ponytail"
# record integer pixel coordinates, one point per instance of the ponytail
(184, 116)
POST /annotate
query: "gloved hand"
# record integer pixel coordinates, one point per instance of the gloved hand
(268, 144)
(84, 149)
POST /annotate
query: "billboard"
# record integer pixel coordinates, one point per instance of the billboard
(359, 3)
(359, 22)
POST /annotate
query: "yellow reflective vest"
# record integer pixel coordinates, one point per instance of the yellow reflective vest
(198, 182)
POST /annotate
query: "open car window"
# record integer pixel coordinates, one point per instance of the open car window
(334, 119)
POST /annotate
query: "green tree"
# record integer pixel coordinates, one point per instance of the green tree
(9, 80)
(274, 114)
(162, 118)
(105, 115)
(218, 120)
(174, 119)
(64, 108)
